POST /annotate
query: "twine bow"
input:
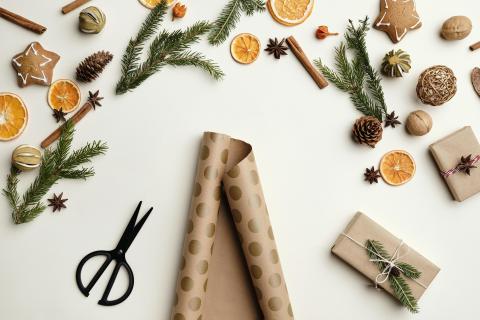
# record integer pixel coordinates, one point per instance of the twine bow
(390, 265)
(459, 167)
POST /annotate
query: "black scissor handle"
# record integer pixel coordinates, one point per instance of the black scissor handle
(120, 259)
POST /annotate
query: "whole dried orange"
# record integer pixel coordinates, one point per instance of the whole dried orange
(64, 95)
(13, 116)
(245, 48)
(397, 167)
(290, 12)
(150, 4)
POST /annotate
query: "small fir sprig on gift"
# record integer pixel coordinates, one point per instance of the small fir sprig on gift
(230, 16)
(58, 163)
(401, 289)
(357, 77)
(167, 48)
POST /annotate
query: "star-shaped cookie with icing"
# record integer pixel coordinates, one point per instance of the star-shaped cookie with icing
(35, 65)
(397, 17)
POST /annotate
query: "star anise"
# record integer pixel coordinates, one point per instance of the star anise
(276, 48)
(391, 120)
(94, 99)
(466, 164)
(372, 175)
(59, 115)
(57, 202)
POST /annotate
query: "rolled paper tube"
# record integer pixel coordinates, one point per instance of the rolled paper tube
(475, 46)
(231, 162)
(73, 5)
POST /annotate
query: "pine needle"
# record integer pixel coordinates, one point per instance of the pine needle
(167, 48)
(57, 164)
(357, 77)
(230, 16)
(400, 287)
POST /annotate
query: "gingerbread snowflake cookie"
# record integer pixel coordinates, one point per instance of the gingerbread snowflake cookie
(35, 65)
(397, 17)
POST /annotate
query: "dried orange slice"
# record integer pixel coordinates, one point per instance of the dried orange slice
(13, 116)
(290, 12)
(64, 95)
(245, 48)
(397, 167)
(150, 4)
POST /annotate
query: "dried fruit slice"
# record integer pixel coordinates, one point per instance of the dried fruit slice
(476, 80)
(290, 12)
(13, 116)
(397, 167)
(64, 95)
(245, 48)
(150, 4)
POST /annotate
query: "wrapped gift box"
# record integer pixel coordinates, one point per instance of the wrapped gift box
(447, 153)
(349, 247)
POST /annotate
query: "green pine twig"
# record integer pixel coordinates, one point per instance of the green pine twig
(357, 77)
(230, 16)
(167, 48)
(401, 289)
(57, 164)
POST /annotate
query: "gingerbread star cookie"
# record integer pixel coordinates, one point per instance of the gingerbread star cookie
(35, 65)
(397, 17)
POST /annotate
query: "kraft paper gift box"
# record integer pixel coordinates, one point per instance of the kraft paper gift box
(230, 267)
(447, 153)
(349, 247)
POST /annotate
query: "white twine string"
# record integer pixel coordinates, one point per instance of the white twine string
(384, 275)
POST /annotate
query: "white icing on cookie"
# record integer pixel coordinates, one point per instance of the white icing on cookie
(24, 80)
(47, 60)
(43, 78)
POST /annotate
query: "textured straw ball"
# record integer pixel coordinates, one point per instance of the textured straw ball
(418, 123)
(436, 85)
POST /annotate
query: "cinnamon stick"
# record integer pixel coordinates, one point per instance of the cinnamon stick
(475, 46)
(302, 57)
(73, 5)
(21, 21)
(82, 112)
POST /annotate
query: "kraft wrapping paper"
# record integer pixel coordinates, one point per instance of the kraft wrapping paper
(230, 266)
(361, 228)
(447, 153)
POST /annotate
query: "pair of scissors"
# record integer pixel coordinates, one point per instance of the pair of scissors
(117, 254)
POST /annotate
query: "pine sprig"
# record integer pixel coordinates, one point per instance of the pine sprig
(167, 48)
(230, 16)
(57, 164)
(357, 77)
(401, 289)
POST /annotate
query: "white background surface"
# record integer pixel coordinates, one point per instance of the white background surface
(311, 171)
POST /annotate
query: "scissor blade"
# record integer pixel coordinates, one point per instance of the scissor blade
(129, 229)
(137, 229)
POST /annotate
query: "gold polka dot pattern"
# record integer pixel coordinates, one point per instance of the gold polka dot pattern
(192, 280)
(245, 197)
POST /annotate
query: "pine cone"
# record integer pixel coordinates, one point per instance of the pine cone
(90, 68)
(367, 130)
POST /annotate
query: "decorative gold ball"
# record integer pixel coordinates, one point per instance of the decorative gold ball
(26, 158)
(436, 85)
(91, 20)
(419, 123)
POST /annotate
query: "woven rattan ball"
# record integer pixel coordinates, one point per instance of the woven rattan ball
(436, 85)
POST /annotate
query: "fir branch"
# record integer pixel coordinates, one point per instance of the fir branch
(167, 48)
(357, 77)
(401, 289)
(57, 164)
(230, 16)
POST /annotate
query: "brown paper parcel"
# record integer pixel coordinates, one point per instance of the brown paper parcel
(447, 153)
(361, 228)
(230, 267)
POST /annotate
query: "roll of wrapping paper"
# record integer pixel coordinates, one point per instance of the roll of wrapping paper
(231, 163)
